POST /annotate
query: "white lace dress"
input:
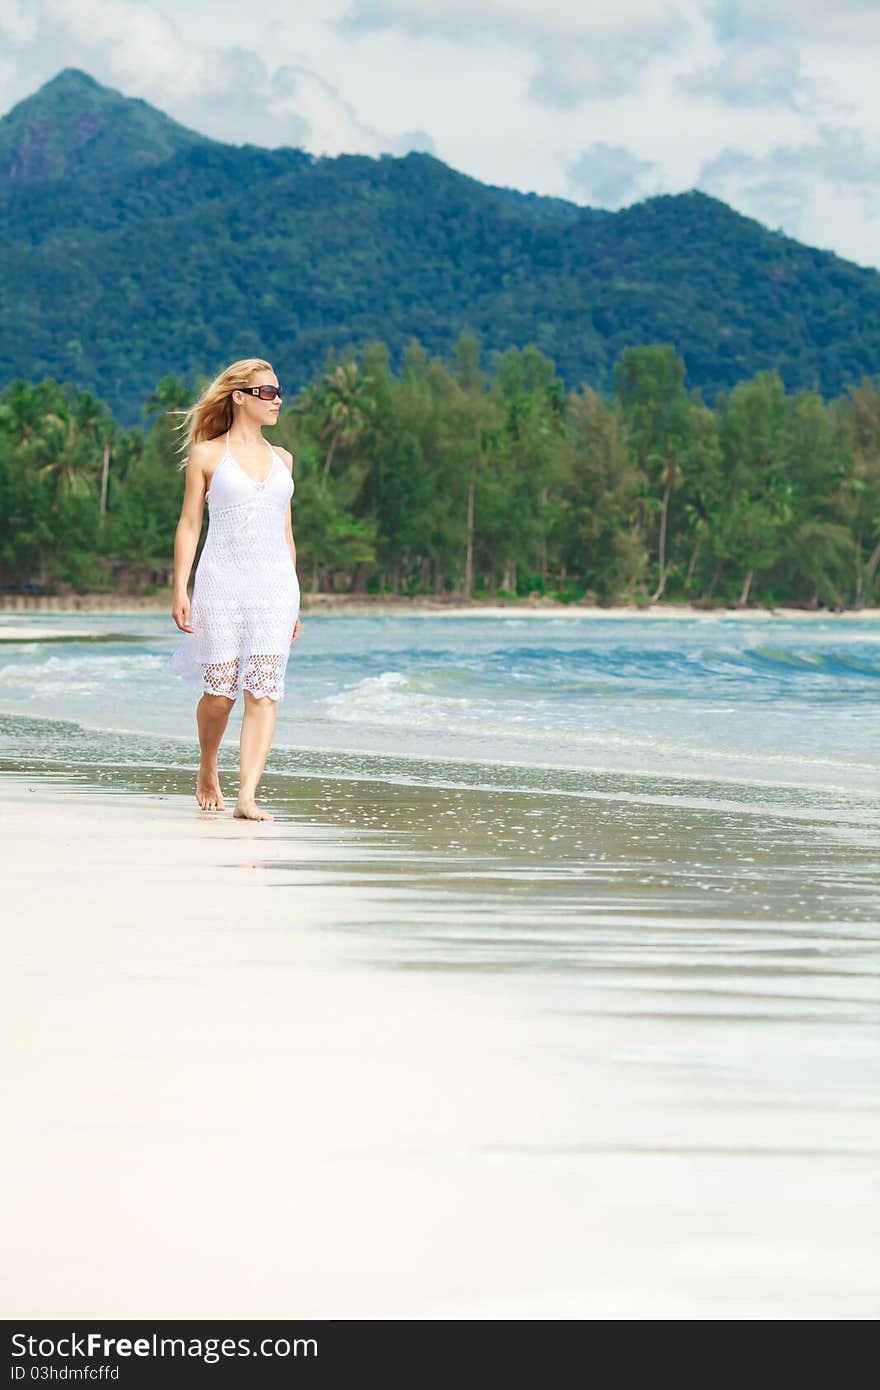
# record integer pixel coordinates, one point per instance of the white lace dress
(245, 598)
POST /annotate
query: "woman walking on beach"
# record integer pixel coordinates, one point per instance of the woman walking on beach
(245, 606)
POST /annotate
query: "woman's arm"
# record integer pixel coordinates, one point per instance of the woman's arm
(186, 537)
(291, 543)
(288, 532)
(288, 524)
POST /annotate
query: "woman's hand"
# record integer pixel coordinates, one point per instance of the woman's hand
(295, 632)
(180, 613)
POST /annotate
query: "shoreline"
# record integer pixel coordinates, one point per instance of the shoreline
(385, 605)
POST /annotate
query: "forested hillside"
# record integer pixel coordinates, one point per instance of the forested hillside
(442, 479)
(132, 248)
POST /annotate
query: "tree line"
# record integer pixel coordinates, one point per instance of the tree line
(442, 478)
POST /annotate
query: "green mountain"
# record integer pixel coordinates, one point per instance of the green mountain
(132, 248)
(73, 126)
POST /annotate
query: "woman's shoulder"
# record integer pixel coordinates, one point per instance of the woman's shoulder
(207, 447)
(285, 455)
(207, 451)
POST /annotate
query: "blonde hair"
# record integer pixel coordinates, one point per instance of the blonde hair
(212, 413)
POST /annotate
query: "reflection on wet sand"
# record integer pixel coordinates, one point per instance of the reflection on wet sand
(412, 1051)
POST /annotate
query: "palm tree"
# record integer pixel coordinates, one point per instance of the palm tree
(169, 395)
(23, 408)
(63, 442)
(342, 400)
(94, 422)
(62, 457)
(649, 384)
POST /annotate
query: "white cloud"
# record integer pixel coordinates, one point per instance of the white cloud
(592, 20)
(580, 49)
(810, 190)
(609, 176)
(569, 73)
(18, 23)
(330, 125)
(750, 74)
(839, 156)
(847, 21)
(229, 92)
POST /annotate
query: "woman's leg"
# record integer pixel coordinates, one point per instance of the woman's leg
(257, 728)
(212, 716)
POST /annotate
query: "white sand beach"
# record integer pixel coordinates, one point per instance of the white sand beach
(235, 1089)
(33, 632)
(382, 606)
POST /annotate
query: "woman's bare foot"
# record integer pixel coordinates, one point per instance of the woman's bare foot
(248, 809)
(208, 793)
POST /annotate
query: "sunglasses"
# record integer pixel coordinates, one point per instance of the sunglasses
(265, 393)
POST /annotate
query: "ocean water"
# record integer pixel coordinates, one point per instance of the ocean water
(705, 770)
(754, 704)
(647, 847)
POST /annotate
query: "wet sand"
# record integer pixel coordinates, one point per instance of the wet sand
(395, 1056)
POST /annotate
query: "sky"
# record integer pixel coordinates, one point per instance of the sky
(771, 105)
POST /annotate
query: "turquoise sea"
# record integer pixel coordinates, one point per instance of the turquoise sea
(745, 748)
(756, 709)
